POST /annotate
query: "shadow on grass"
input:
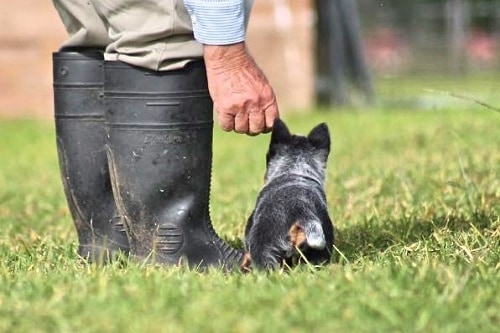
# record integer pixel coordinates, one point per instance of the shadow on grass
(374, 236)
(364, 240)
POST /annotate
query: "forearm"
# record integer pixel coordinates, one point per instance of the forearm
(227, 56)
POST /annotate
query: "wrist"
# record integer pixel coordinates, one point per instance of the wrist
(228, 56)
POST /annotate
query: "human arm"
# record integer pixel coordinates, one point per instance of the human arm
(243, 97)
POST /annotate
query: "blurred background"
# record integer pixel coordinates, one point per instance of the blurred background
(332, 53)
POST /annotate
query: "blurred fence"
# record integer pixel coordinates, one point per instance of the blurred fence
(445, 36)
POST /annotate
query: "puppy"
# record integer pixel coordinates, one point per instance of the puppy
(291, 213)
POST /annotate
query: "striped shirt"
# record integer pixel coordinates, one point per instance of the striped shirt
(219, 22)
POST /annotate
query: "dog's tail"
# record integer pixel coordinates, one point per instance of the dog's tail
(309, 232)
(315, 237)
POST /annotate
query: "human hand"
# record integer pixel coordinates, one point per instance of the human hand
(243, 98)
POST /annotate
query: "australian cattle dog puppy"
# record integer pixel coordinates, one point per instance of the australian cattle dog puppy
(290, 220)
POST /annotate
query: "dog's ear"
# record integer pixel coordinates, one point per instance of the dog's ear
(319, 137)
(280, 133)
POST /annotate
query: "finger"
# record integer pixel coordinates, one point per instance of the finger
(241, 122)
(226, 121)
(271, 113)
(257, 123)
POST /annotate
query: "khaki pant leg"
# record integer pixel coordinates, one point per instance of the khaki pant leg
(82, 23)
(155, 34)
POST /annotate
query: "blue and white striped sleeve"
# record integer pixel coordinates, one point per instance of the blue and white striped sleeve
(217, 22)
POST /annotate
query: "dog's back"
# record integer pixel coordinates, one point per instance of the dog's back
(291, 209)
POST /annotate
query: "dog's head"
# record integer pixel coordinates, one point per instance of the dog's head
(288, 152)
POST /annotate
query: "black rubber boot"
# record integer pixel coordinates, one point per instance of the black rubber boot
(159, 127)
(79, 117)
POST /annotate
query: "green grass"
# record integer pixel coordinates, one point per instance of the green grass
(415, 196)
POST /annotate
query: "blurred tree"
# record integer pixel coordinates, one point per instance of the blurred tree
(339, 53)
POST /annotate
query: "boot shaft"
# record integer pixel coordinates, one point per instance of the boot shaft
(161, 123)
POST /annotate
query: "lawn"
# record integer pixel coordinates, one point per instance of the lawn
(413, 186)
